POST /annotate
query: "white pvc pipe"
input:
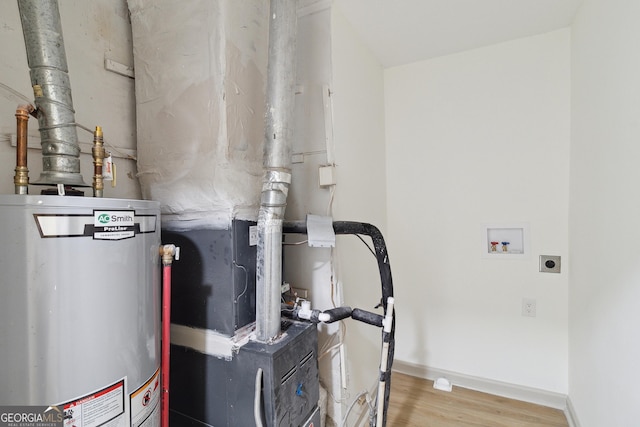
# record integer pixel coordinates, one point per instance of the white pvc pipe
(257, 407)
(387, 325)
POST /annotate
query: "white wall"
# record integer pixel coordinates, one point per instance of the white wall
(473, 138)
(92, 32)
(360, 195)
(311, 268)
(604, 348)
(330, 56)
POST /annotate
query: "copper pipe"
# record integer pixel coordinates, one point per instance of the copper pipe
(98, 161)
(21, 178)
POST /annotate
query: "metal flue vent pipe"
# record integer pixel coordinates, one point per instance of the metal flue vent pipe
(281, 75)
(52, 91)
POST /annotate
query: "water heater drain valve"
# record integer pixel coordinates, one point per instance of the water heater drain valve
(168, 253)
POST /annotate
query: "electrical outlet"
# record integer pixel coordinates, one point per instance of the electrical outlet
(299, 292)
(529, 307)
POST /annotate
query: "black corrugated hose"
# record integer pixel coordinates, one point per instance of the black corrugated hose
(380, 248)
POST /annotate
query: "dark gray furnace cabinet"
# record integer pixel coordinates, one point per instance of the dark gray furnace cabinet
(213, 287)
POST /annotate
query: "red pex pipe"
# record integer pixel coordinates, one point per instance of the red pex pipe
(166, 342)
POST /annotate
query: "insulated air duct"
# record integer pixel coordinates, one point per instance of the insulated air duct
(52, 91)
(281, 77)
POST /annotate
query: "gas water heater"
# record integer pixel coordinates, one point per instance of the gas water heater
(80, 307)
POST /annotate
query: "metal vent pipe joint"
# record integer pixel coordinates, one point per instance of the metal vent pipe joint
(269, 254)
(52, 91)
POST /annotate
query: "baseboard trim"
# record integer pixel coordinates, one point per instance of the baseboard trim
(570, 413)
(498, 388)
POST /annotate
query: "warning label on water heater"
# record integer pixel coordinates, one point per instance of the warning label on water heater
(113, 225)
(105, 407)
(145, 403)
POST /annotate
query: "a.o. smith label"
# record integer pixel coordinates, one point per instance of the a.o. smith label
(31, 416)
(109, 227)
(113, 225)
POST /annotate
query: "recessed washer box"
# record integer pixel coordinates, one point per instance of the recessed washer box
(508, 240)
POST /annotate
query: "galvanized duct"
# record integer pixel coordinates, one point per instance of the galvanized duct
(52, 91)
(281, 77)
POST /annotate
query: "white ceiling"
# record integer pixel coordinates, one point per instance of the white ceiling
(404, 31)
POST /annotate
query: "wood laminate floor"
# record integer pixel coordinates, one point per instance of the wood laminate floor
(415, 403)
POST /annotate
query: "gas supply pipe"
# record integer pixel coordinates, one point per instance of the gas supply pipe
(21, 178)
(98, 152)
(168, 253)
